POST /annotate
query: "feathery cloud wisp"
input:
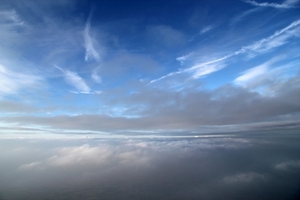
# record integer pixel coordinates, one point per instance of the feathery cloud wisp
(206, 29)
(75, 80)
(90, 51)
(264, 45)
(286, 4)
(12, 82)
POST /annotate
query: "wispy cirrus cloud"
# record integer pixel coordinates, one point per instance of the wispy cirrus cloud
(286, 4)
(75, 80)
(279, 38)
(90, 51)
(11, 28)
(269, 77)
(243, 15)
(253, 76)
(10, 17)
(12, 82)
(262, 46)
(207, 69)
(206, 29)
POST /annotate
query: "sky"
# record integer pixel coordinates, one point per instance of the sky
(148, 67)
(149, 99)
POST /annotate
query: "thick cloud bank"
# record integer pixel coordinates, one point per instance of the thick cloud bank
(241, 166)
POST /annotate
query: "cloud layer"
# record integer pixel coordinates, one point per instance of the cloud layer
(236, 166)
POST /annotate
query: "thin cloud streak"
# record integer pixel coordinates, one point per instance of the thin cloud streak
(75, 80)
(286, 4)
(12, 82)
(264, 45)
(252, 75)
(90, 51)
(206, 29)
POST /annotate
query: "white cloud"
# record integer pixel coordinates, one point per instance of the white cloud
(90, 51)
(203, 70)
(243, 177)
(183, 58)
(286, 4)
(264, 45)
(75, 80)
(86, 155)
(12, 82)
(80, 155)
(268, 77)
(251, 74)
(254, 74)
(279, 38)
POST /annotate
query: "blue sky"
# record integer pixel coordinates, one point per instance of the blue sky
(148, 67)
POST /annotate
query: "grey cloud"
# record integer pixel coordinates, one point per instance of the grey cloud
(157, 109)
(166, 35)
(243, 177)
(127, 62)
(289, 165)
(7, 106)
(235, 167)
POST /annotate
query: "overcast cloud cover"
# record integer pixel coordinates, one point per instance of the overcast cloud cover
(225, 167)
(105, 92)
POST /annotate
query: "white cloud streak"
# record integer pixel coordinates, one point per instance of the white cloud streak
(92, 156)
(90, 51)
(285, 5)
(207, 69)
(264, 45)
(277, 39)
(255, 74)
(206, 29)
(75, 80)
(12, 82)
